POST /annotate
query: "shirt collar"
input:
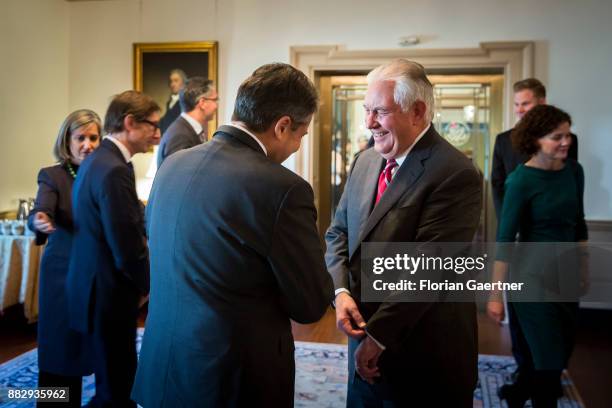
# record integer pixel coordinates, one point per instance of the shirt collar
(400, 159)
(197, 127)
(124, 150)
(248, 132)
(174, 98)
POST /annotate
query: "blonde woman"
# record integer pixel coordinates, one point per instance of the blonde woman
(62, 353)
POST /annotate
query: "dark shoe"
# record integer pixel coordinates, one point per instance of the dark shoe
(560, 391)
(515, 375)
(514, 394)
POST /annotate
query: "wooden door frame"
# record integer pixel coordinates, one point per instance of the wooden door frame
(516, 59)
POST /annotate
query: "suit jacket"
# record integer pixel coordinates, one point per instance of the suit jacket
(170, 116)
(436, 195)
(506, 159)
(60, 349)
(180, 135)
(235, 254)
(109, 267)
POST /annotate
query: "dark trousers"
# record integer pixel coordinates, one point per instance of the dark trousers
(520, 348)
(401, 390)
(545, 388)
(114, 344)
(73, 383)
(360, 394)
(542, 386)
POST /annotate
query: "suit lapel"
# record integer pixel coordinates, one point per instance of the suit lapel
(196, 139)
(410, 171)
(369, 185)
(113, 149)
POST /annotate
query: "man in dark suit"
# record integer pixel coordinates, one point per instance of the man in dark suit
(109, 265)
(176, 82)
(412, 186)
(235, 254)
(528, 93)
(199, 103)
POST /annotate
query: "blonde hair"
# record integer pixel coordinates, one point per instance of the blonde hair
(75, 120)
(411, 83)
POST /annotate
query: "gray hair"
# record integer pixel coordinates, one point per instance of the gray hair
(77, 119)
(180, 73)
(411, 84)
(195, 88)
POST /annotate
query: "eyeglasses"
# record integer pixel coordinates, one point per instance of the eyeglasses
(154, 124)
(206, 98)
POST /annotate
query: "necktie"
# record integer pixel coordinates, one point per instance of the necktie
(131, 167)
(385, 178)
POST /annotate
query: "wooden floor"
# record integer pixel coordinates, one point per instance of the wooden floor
(590, 366)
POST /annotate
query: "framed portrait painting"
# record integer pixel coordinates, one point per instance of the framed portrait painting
(160, 70)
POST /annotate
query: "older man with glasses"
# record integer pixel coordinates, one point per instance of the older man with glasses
(198, 101)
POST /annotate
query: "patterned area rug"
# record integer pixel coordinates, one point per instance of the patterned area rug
(320, 378)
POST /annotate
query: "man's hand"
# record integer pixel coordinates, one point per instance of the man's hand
(496, 311)
(43, 223)
(366, 360)
(348, 317)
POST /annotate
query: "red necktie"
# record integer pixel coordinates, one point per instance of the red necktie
(385, 178)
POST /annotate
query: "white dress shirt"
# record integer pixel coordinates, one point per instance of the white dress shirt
(124, 150)
(173, 100)
(248, 132)
(197, 127)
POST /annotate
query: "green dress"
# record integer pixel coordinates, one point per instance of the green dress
(543, 206)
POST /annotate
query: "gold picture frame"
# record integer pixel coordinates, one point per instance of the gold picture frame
(154, 61)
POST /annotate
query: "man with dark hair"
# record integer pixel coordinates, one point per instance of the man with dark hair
(235, 254)
(176, 82)
(109, 264)
(528, 93)
(198, 100)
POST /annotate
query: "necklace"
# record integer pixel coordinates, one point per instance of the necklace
(71, 170)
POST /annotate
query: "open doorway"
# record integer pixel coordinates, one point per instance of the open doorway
(469, 113)
(510, 60)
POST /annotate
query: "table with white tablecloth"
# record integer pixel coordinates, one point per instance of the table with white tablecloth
(19, 266)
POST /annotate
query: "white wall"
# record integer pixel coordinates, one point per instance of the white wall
(573, 49)
(33, 91)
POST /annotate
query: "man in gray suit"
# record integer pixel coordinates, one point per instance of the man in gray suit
(198, 101)
(235, 254)
(412, 186)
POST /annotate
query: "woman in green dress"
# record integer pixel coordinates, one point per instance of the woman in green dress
(542, 203)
